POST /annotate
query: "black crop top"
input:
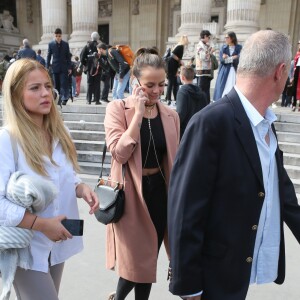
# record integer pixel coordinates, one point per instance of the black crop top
(159, 140)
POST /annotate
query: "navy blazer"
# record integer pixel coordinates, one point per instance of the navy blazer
(61, 59)
(216, 195)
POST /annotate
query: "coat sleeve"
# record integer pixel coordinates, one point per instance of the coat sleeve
(119, 143)
(49, 54)
(191, 187)
(10, 214)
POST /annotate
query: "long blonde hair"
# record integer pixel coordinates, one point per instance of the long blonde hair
(30, 136)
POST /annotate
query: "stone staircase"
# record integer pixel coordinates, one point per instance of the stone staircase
(85, 123)
(288, 133)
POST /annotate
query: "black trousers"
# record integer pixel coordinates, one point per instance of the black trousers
(296, 76)
(106, 81)
(204, 84)
(93, 87)
(155, 196)
(172, 85)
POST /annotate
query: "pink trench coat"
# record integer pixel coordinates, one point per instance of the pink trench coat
(131, 244)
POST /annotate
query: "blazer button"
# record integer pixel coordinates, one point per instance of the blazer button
(261, 195)
(254, 227)
(249, 260)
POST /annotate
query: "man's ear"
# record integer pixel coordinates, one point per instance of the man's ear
(280, 71)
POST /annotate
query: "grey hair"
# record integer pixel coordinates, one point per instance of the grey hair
(262, 52)
(26, 42)
(95, 36)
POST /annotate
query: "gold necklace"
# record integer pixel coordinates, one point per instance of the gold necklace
(149, 109)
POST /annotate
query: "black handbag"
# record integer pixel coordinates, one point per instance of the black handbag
(111, 199)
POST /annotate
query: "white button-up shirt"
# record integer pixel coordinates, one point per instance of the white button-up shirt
(267, 243)
(65, 179)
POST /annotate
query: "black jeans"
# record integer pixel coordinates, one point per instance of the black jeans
(172, 85)
(204, 83)
(155, 196)
(106, 82)
(93, 87)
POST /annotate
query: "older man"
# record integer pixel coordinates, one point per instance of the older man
(26, 51)
(229, 192)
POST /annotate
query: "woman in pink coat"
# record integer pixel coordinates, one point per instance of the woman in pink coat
(143, 134)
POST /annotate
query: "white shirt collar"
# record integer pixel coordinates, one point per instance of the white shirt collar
(254, 116)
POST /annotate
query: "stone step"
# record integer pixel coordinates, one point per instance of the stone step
(287, 127)
(291, 159)
(89, 145)
(290, 117)
(93, 156)
(84, 109)
(289, 147)
(93, 126)
(88, 135)
(83, 117)
(291, 137)
(296, 183)
(94, 168)
(293, 172)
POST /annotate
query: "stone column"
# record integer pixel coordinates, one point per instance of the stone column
(54, 15)
(193, 14)
(84, 21)
(242, 17)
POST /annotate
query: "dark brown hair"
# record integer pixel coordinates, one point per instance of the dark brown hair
(146, 57)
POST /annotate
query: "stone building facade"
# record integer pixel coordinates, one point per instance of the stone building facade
(143, 22)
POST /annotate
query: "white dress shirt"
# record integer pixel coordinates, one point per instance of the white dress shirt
(65, 179)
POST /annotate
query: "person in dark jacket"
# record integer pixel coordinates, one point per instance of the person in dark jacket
(59, 52)
(229, 193)
(174, 62)
(190, 99)
(39, 58)
(120, 66)
(26, 51)
(89, 60)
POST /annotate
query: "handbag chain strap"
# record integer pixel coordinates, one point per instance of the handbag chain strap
(102, 163)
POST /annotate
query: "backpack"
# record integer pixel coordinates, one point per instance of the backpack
(126, 53)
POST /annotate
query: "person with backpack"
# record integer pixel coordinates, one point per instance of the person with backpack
(120, 66)
(89, 60)
(204, 51)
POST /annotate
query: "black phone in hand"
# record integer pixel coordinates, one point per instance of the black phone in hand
(75, 227)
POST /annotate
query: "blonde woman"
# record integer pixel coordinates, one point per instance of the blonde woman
(45, 150)
(173, 64)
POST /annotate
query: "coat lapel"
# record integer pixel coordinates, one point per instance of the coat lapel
(129, 113)
(245, 134)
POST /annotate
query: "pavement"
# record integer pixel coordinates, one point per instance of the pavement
(85, 276)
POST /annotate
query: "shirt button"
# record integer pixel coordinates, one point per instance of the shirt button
(261, 195)
(254, 227)
(249, 260)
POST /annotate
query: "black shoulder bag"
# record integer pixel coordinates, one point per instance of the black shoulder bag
(111, 199)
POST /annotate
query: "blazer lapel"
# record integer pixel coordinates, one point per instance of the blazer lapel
(245, 134)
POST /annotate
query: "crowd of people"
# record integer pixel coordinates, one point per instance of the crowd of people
(180, 165)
